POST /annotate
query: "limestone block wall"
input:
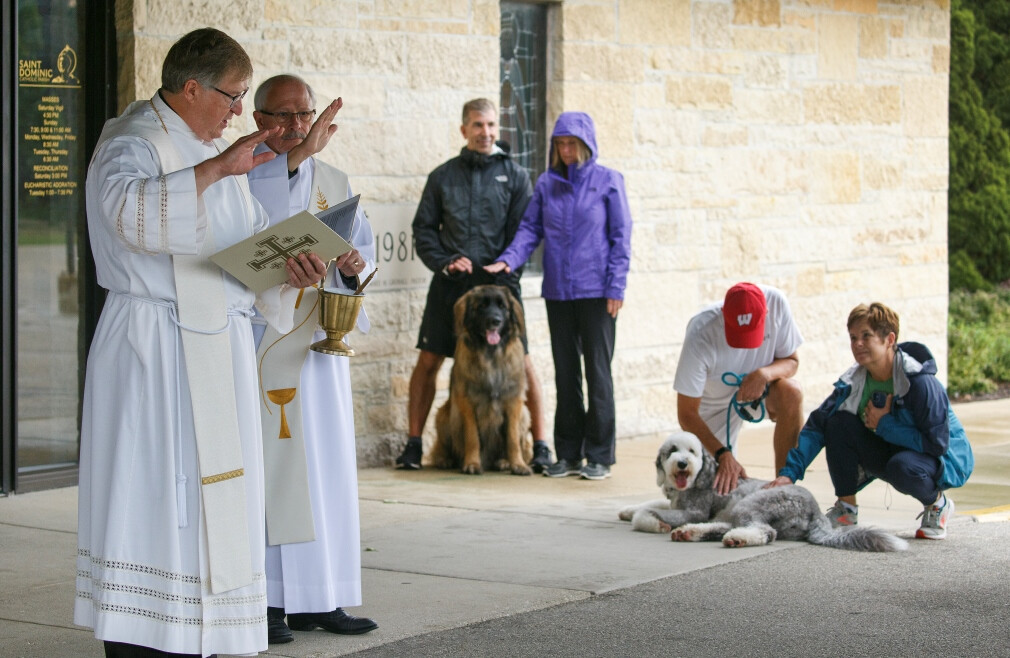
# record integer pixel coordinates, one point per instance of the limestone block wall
(799, 143)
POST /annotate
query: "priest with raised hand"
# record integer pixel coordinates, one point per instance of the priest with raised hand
(170, 556)
(313, 556)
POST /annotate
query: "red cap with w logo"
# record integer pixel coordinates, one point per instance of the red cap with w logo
(744, 312)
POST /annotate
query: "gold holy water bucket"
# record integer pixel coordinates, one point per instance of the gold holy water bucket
(338, 313)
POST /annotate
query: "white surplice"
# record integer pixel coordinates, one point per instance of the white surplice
(324, 574)
(142, 574)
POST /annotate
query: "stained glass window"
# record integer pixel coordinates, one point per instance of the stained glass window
(523, 115)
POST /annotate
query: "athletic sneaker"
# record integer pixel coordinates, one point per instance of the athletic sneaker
(541, 457)
(410, 458)
(840, 516)
(562, 468)
(594, 471)
(934, 520)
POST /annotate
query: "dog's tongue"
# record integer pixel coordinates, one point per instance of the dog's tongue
(681, 479)
(493, 337)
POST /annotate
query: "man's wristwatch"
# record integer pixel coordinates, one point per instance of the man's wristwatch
(718, 453)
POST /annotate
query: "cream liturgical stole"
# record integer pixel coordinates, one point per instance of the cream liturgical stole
(203, 325)
(281, 357)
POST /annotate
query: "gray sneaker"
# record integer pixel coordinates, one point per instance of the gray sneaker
(840, 516)
(562, 468)
(934, 520)
(594, 471)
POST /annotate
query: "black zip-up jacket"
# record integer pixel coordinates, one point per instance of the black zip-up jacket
(471, 206)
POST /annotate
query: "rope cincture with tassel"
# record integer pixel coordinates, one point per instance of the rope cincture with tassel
(310, 314)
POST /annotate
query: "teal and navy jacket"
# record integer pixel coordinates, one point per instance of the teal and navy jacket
(920, 419)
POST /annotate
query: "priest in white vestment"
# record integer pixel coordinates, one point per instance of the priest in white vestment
(314, 568)
(170, 516)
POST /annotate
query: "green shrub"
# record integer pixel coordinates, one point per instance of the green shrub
(963, 274)
(978, 225)
(978, 342)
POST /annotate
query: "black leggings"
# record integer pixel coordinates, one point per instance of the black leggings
(582, 329)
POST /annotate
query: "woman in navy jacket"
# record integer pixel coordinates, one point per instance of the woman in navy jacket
(889, 418)
(580, 212)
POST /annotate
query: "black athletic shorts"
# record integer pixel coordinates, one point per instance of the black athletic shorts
(437, 333)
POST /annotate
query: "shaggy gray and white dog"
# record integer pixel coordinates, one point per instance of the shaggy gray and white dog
(748, 516)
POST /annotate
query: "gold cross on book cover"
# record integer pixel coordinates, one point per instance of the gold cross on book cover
(258, 261)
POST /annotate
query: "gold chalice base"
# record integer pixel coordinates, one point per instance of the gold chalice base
(334, 346)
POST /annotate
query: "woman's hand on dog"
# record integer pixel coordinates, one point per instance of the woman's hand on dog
(498, 266)
(728, 476)
(780, 481)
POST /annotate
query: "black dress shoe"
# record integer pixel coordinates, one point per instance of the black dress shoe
(337, 621)
(277, 631)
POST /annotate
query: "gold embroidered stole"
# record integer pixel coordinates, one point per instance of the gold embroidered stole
(281, 358)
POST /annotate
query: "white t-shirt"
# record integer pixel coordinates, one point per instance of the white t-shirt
(705, 356)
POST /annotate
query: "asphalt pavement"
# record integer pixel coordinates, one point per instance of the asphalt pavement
(942, 599)
(500, 565)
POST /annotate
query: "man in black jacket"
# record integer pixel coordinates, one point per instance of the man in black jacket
(469, 212)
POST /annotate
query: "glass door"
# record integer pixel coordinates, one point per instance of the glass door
(48, 214)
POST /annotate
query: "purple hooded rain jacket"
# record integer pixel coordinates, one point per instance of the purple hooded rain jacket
(584, 223)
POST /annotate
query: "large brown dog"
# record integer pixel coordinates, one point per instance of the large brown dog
(484, 424)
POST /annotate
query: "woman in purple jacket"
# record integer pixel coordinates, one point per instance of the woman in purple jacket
(580, 212)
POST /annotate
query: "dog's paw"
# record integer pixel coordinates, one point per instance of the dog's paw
(688, 532)
(627, 513)
(520, 468)
(644, 520)
(472, 469)
(661, 525)
(740, 537)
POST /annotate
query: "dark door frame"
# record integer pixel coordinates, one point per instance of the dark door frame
(101, 70)
(8, 176)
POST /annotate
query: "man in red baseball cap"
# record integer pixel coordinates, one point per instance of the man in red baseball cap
(743, 347)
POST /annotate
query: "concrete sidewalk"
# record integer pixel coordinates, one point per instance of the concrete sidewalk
(443, 550)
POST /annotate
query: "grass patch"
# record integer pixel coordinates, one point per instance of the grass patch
(978, 342)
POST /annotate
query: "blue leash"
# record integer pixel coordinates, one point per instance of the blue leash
(743, 409)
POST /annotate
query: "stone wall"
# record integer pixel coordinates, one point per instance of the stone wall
(799, 143)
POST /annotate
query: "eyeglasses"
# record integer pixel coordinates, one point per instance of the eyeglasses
(236, 99)
(284, 117)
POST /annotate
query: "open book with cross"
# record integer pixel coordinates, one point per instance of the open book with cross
(258, 261)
